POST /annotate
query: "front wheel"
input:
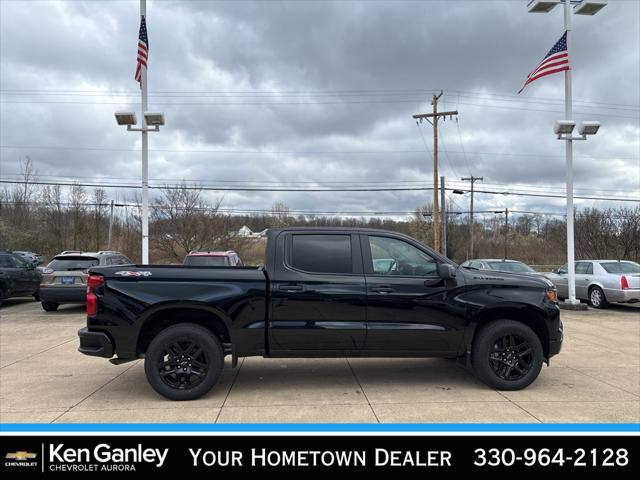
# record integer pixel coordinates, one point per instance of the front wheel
(184, 362)
(507, 355)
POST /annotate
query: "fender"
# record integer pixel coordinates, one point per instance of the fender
(146, 317)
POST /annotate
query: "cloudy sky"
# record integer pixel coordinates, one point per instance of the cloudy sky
(311, 94)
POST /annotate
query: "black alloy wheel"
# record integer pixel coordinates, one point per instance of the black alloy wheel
(183, 365)
(511, 357)
(507, 354)
(184, 361)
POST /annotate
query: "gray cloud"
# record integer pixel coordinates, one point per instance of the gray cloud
(309, 51)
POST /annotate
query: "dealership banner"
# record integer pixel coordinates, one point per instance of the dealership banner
(51, 456)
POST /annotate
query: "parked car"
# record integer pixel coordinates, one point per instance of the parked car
(213, 259)
(500, 265)
(322, 293)
(600, 282)
(18, 278)
(64, 279)
(31, 257)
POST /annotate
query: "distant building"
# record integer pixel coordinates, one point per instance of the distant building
(246, 232)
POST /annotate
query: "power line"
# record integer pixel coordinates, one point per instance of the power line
(282, 183)
(333, 189)
(317, 93)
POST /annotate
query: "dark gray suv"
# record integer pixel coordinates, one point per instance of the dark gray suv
(18, 277)
(64, 279)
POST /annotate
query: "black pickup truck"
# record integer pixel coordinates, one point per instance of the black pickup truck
(323, 293)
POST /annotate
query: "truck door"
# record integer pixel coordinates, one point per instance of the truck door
(318, 293)
(407, 309)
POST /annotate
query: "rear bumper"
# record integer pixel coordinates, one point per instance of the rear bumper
(63, 294)
(630, 295)
(95, 344)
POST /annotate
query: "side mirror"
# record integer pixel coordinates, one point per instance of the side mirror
(446, 271)
(555, 270)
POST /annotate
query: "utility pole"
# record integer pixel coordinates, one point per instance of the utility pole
(444, 217)
(473, 180)
(435, 116)
(506, 231)
(110, 226)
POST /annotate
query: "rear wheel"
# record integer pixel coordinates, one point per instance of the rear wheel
(50, 306)
(507, 355)
(597, 298)
(184, 362)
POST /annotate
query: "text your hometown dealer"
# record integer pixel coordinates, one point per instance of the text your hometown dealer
(104, 453)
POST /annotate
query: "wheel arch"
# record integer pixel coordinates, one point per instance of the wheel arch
(531, 318)
(169, 315)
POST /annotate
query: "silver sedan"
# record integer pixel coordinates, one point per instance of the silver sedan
(601, 282)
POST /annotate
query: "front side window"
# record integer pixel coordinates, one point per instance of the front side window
(321, 253)
(390, 256)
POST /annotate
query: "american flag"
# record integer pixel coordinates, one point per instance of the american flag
(557, 60)
(143, 50)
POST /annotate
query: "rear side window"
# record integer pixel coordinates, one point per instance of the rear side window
(621, 267)
(321, 253)
(582, 268)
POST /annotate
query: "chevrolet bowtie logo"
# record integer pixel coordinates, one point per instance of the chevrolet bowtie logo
(21, 456)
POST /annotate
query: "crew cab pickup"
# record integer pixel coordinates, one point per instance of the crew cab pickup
(322, 293)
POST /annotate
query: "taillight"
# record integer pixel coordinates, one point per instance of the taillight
(93, 282)
(624, 284)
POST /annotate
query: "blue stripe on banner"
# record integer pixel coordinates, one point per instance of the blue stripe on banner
(330, 427)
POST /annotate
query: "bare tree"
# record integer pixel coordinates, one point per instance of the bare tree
(280, 215)
(78, 200)
(99, 206)
(184, 221)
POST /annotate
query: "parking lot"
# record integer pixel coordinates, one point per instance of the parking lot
(43, 379)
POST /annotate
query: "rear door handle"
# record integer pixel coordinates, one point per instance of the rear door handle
(382, 289)
(291, 288)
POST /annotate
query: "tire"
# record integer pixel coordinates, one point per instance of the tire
(186, 346)
(50, 306)
(503, 347)
(597, 298)
(36, 296)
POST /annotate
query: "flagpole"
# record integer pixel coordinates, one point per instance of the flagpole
(145, 156)
(568, 110)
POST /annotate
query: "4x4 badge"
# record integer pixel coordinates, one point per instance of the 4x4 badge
(127, 273)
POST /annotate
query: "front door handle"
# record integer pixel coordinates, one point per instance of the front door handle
(382, 289)
(291, 288)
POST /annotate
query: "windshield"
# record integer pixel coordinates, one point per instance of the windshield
(73, 263)
(203, 261)
(621, 267)
(515, 267)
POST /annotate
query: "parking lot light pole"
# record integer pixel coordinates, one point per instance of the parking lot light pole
(582, 7)
(151, 122)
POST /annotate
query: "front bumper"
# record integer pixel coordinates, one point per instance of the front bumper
(63, 294)
(95, 344)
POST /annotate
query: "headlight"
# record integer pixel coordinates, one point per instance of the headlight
(552, 295)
